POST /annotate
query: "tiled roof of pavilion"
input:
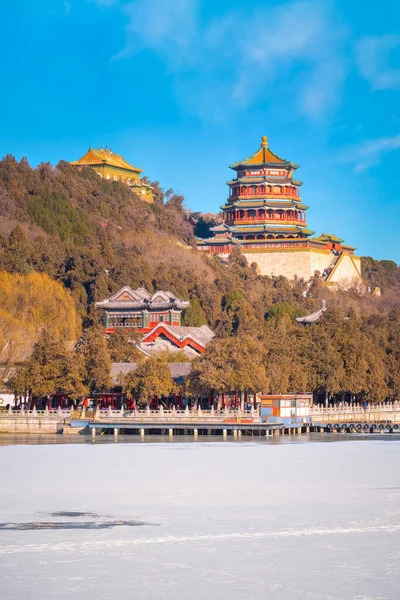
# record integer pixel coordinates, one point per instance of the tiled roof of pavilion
(119, 370)
(217, 240)
(101, 156)
(219, 227)
(263, 156)
(127, 298)
(329, 237)
(190, 340)
(201, 335)
(315, 316)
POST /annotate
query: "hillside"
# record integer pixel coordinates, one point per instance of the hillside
(93, 236)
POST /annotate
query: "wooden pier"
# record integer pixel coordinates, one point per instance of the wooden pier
(171, 428)
(228, 429)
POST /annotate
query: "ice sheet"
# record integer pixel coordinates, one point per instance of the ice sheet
(217, 520)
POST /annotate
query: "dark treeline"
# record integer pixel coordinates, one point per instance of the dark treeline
(94, 236)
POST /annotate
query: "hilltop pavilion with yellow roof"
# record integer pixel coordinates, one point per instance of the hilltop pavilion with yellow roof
(114, 167)
(265, 216)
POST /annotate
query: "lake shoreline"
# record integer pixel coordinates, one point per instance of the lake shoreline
(16, 439)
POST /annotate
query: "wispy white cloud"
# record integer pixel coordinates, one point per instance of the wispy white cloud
(322, 89)
(369, 153)
(295, 46)
(294, 51)
(166, 27)
(373, 60)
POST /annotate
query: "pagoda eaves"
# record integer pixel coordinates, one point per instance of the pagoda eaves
(263, 156)
(103, 156)
(264, 199)
(264, 215)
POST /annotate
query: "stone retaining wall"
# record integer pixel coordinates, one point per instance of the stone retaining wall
(33, 422)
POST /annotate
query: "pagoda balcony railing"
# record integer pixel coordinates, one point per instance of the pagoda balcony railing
(278, 243)
(270, 195)
(261, 220)
(273, 243)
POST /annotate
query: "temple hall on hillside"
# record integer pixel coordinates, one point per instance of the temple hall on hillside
(265, 216)
(113, 167)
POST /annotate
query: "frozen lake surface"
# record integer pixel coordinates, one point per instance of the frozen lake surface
(204, 520)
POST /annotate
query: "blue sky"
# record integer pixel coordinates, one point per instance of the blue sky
(183, 88)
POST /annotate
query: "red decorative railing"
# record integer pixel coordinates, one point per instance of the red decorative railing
(261, 220)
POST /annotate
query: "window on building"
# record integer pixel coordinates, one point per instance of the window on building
(131, 320)
(159, 317)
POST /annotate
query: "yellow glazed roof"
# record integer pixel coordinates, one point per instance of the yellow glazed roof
(96, 157)
(329, 237)
(263, 156)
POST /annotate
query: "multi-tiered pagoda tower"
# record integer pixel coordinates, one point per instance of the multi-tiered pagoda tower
(264, 199)
(265, 216)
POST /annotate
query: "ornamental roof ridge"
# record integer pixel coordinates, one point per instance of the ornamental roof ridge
(142, 292)
(177, 370)
(329, 237)
(104, 156)
(314, 316)
(219, 227)
(139, 294)
(200, 335)
(141, 298)
(263, 156)
(161, 294)
(168, 297)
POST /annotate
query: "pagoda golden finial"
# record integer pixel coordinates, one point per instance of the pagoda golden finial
(264, 141)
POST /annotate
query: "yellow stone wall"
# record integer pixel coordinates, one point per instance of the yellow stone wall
(114, 174)
(144, 192)
(303, 263)
(347, 271)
